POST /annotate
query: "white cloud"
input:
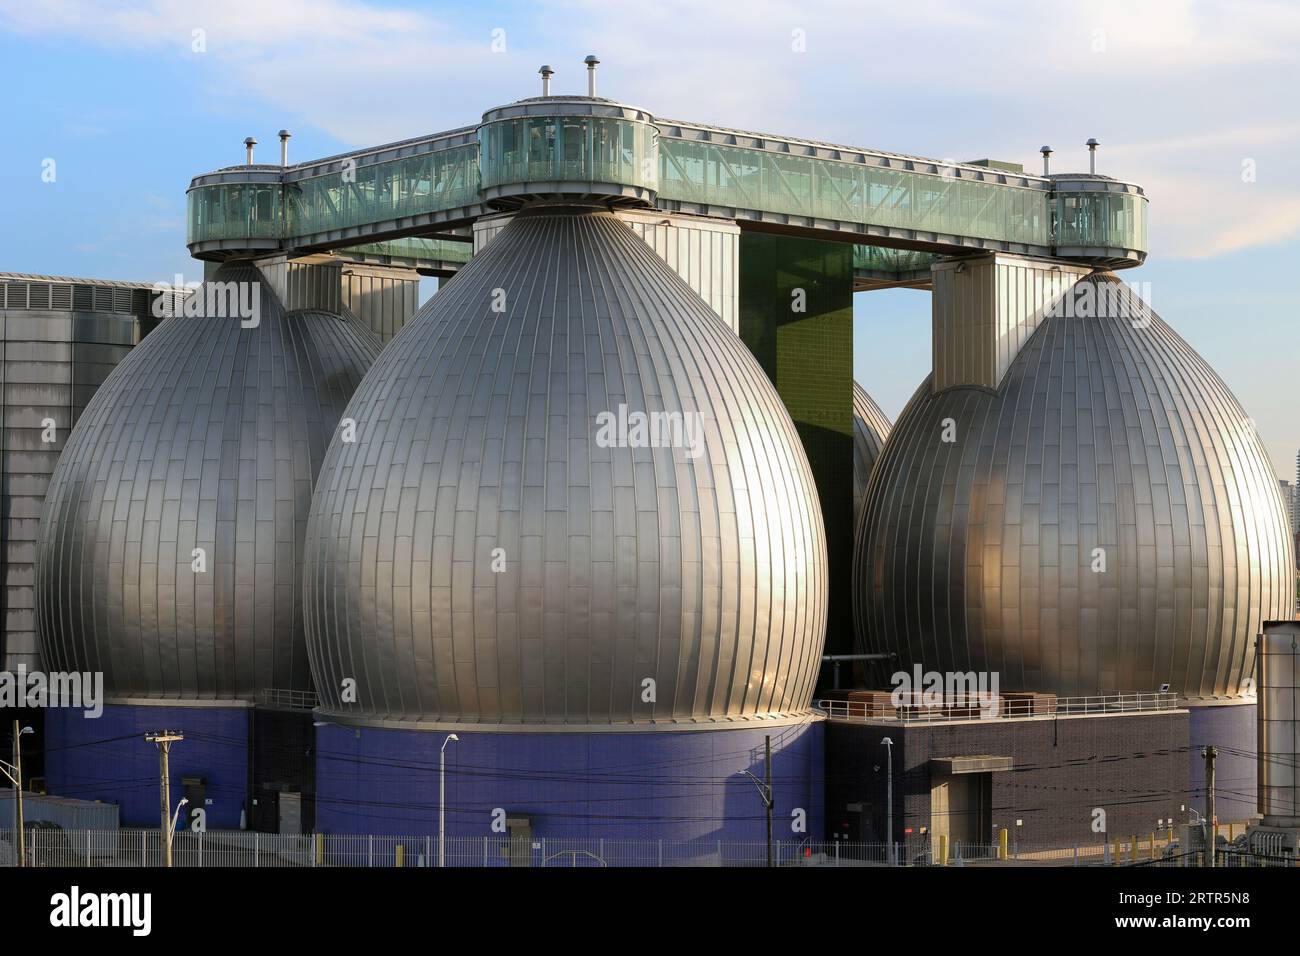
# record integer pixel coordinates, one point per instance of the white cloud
(1179, 92)
(361, 72)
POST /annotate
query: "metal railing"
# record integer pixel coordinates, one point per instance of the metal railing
(973, 708)
(142, 848)
(288, 699)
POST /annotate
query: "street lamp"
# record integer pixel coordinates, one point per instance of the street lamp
(889, 797)
(14, 771)
(442, 800)
(184, 801)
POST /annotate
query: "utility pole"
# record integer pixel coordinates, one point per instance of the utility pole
(765, 791)
(16, 777)
(889, 798)
(1211, 821)
(767, 785)
(164, 739)
(18, 795)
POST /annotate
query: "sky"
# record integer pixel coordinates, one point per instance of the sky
(1194, 100)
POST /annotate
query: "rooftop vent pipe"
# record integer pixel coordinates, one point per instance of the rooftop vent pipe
(546, 73)
(284, 147)
(591, 62)
(1092, 145)
(249, 143)
(1047, 155)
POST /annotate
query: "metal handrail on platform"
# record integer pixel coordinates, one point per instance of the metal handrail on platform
(288, 699)
(879, 707)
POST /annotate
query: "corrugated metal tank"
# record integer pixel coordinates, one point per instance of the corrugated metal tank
(870, 429)
(619, 564)
(208, 436)
(59, 339)
(1108, 444)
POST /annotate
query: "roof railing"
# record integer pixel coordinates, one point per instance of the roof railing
(279, 699)
(882, 706)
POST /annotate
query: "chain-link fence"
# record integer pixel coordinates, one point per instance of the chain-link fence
(50, 847)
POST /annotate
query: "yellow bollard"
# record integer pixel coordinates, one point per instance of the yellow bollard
(320, 848)
(1133, 848)
(401, 856)
(943, 849)
(1151, 842)
(1002, 844)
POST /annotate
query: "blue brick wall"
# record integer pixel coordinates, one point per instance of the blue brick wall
(672, 786)
(108, 759)
(1236, 775)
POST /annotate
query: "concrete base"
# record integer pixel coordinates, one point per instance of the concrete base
(674, 786)
(108, 759)
(1054, 774)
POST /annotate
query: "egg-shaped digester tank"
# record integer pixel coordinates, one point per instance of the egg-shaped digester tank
(1104, 521)
(170, 542)
(870, 429)
(574, 499)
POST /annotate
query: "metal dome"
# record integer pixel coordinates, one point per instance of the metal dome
(1106, 433)
(870, 429)
(478, 430)
(208, 435)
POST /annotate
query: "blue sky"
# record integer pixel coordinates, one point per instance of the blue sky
(1180, 94)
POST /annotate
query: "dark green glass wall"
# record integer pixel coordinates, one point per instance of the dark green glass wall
(808, 354)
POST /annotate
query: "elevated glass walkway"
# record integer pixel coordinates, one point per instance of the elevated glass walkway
(550, 146)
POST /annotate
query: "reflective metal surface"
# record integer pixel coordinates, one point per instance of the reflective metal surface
(208, 435)
(1279, 723)
(482, 554)
(870, 429)
(59, 339)
(1106, 521)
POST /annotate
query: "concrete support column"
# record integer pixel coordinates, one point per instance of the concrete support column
(985, 308)
(383, 297)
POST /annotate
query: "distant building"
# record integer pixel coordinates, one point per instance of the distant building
(1295, 505)
(59, 339)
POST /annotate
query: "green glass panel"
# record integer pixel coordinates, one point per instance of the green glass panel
(411, 186)
(880, 259)
(744, 178)
(568, 149)
(603, 149)
(1103, 219)
(415, 247)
